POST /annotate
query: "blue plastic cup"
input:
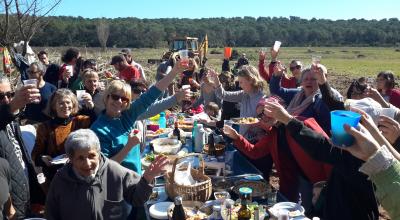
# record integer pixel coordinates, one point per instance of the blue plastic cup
(338, 118)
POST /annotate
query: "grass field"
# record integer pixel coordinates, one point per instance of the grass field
(343, 63)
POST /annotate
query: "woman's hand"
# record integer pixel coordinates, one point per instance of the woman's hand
(66, 74)
(261, 56)
(320, 72)
(365, 144)
(375, 95)
(390, 128)
(183, 95)
(134, 138)
(24, 95)
(230, 132)
(278, 112)
(274, 54)
(155, 168)
(87, 101)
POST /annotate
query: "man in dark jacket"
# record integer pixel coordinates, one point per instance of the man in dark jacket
(52, 69)
(24, 183)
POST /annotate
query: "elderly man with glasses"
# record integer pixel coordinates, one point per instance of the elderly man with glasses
(25, 189)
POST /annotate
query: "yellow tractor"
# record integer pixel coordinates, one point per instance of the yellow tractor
(184, 43)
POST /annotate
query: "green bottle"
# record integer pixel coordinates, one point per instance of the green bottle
(244, 212)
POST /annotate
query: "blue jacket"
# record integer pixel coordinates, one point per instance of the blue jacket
(318, 110)
(113, 132)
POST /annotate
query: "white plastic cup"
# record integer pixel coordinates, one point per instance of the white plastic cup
(35, 83)
(70, 70)
(277, 45)
(79, 94)
(185, 87)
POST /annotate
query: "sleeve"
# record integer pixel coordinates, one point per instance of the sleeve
(52, 204)
(105, 143)
(263, 71)
(230, 96)
(314, 144)
(136, 189)
(141, 104)
(158, 107)
(255, 151)
(40, 144)
(387, 185)
(396, 144)
(394, 98)
(199, 101)
(329, 99)
(275, 88)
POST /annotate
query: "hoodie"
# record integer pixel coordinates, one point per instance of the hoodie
(102, 198)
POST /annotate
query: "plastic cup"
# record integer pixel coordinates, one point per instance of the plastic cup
(35, 83)
(79, 94)
(70, 70)
(277, 45)
(227, 52)
(184, 55)
(338, 118)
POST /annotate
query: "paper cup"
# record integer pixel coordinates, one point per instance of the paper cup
(338, 118)
(70, 70)
(79, 94)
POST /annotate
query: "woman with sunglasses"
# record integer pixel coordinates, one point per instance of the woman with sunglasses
(51, 135)
(115, 125)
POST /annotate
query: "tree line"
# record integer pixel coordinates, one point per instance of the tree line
(237, 31)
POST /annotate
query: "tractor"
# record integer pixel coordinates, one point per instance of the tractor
(184, 43)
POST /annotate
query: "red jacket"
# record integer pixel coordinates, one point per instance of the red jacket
(287, 169)
(394, 97)
(286, 82)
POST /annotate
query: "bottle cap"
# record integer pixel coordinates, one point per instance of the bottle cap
(245, 190)
(162, 114)
(178, 200)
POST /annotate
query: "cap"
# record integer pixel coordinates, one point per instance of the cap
(117, 59)
(245, 190)
(126, 51)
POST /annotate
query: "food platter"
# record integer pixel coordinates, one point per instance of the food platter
(259, 187)
(245, 121)
(158, 133)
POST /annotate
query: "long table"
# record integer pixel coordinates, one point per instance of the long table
(239, 167)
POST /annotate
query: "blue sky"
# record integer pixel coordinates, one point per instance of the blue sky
(332, 9)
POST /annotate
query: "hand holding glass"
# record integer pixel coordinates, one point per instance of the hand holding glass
(339, 118)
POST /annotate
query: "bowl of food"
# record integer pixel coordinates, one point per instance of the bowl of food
(166, 145)
(221, 196)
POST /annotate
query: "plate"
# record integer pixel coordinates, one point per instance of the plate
(295, 210)
(160, 210)
(245, 121)
(259, 187)
(160, 195)
(158, 133)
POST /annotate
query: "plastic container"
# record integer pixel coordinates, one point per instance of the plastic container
(200, 139)
(338, 118)
(227, 52)
(162, 121)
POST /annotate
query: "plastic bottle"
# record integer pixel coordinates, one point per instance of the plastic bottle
(178, 213)
(162, 121)
(216, 215)
(199, 139)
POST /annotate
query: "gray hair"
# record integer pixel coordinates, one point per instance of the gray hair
(4, 79)
(304, 72)
(40, 66)
(81, 139)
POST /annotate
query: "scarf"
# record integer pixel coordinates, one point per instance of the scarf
(299, 103)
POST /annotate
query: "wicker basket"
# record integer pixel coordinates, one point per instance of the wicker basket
(201, 191)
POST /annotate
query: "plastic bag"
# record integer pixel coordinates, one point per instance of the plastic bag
(183, 176)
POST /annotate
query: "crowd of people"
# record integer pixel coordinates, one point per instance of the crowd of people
(101, 130)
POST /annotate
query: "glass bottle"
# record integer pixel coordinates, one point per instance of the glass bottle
(244, 212)
(178, 213)
(216, 215)
(176, 133)
(211, 145)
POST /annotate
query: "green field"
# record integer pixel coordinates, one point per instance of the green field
(343, 63)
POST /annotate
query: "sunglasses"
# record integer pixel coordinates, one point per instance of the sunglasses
(294, 67)
(138, 91)
(117, 97)
(8, 94)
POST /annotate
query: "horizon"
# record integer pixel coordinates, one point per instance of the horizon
(305, 9)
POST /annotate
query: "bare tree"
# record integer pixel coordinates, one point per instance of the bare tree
(103, 32)
(21, 19)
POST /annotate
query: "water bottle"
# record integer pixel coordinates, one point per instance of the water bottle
(199, 139)
(162, 121)
(216, 215)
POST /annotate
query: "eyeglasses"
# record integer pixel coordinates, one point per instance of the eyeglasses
(294, 67)
(261, 114)
(8, 94)
(33, 72)
(117, 97)
(138, 91)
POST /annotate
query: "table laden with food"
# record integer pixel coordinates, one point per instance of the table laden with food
(207, 178)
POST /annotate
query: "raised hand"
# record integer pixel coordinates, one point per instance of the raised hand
(183, 94)
(155, 168)
(274, 54)
(320, 72)
(365, 145)
(24, 95)
(277, 111)
(87, 100)
(390, 128)
(261, 56)
(230, 132)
